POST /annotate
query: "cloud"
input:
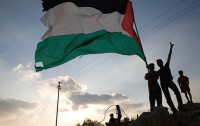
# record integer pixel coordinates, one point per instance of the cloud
(68, 84)
(18, 82)
(75, 95)
(25, 74)
(11, 106)
(102, 99)
(75, 103)
(16, 111)
(131, 105)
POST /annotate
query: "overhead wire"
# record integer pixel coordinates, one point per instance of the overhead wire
(178, 3)
(95, 65)
(85, 65)
(169, 20)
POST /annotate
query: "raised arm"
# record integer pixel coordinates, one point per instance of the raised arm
(170, 53)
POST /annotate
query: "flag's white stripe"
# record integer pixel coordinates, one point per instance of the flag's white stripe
(67, 18)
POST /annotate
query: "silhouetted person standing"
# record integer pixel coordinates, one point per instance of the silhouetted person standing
(183, 82)
(154, 88)
(119, 115)
(166, 80)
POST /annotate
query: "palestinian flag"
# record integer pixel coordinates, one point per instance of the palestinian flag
(81, 27)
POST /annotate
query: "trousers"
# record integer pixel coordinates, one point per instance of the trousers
(173, 87)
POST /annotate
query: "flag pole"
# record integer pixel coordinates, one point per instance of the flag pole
(59, 87)
(140, 42)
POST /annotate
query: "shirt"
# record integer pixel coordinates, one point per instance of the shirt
(183, 80)
(165, 74)
(152, 78)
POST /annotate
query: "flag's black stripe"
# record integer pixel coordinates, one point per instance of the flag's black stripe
(105, 6)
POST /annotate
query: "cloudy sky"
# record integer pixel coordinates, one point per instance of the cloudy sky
(92, 83)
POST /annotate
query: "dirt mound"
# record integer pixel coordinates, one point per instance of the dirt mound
(161, 117)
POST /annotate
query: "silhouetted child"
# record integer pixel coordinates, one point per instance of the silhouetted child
(154, 88)
(112, 121)
(166, 80)
(183, 82)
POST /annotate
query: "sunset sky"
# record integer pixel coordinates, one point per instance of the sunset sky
(90, 84)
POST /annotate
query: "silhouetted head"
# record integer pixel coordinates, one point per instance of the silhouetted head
(117, 106)
(151, 67)
(180, 72)
(111, 115)
(160, 63)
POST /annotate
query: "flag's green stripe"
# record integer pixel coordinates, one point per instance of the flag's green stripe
(57, 50)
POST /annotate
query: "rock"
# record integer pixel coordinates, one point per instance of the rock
(161, 117)
(179, 120)
(192, 106)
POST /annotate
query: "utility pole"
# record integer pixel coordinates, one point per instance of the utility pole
(59, 87)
